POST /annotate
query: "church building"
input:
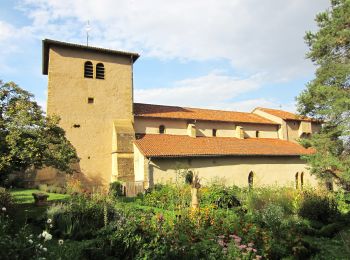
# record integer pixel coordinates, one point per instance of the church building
(91, 90)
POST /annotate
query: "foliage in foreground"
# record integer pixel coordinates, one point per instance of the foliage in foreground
(272, 223)
(27, 137)
(327, 97)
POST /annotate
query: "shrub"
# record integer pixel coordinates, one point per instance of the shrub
(168, 196)
(116, 189)
(6, 199)
(272, 216)
(220, 196)
(318, 206)
(43, 187)
(259, 198)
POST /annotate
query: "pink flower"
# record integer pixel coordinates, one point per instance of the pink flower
(254, 250)
(238, 240)
(221, 236)
(249, 249)
(258, 257)
(221, 242)
(242, 246)
(251, 244)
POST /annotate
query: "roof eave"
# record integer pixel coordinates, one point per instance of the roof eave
(47, 43)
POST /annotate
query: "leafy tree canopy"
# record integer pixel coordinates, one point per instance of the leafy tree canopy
(27, 137)
(327, 97)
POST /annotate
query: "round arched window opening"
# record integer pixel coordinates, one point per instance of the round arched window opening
(301, 180)
(297, 180)
(88, 70)
(100, 71)
(251, 180)
(161, 129)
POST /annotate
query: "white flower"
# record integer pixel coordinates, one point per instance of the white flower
(44, 249)
(3, 209)
(44, 233)
(48, 237)
(30, 241)
(60, 242)
(31, 236)
(39, 236)
(40, 246)
(49, 221)
(51, 225)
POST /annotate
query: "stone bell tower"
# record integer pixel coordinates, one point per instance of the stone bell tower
(91, 90)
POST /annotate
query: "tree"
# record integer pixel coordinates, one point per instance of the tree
(327, 96)
(27, 137)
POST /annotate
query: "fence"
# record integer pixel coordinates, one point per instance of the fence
(132, 188)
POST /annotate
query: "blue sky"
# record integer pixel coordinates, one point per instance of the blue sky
(227, 54)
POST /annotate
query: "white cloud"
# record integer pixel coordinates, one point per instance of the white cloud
(253, 35)
(262, 40)
(205, 91)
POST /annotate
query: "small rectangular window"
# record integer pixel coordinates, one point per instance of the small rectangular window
(90, 100)
(214, 132)
(257, 134)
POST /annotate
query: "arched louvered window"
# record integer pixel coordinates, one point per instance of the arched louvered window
(100, 71)
(297, 180)
(161, 129)
(251, 179)
(88, 70)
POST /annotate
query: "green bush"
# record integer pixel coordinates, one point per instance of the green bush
(169, 196)
(6, 199)
(116, 189)
(258, 198)
(330, 230)
(43, 187)
(272, 217)
(82, 216)
(220, 196)
(318, 207)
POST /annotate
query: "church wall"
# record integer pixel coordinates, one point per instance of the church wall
(265, 131)
(139, 162)
(68, 92)
(293, 130)
(203, 128)
(151, 126)
(234, 170)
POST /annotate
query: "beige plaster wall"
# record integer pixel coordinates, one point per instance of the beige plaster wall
(139, 162)
(293, 130)
(282, 131)
(265, 131)
(151, 126)
(234, 170)
(68, 92)
(203, 128)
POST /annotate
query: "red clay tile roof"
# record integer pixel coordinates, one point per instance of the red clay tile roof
(174, 112)
(163, 145)
(285, 114)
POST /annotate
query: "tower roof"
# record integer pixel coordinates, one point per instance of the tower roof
(47, 43)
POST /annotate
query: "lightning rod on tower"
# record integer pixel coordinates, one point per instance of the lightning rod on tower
(87, 29)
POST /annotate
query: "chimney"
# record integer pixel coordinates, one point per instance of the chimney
(191, 130)
(239, 132)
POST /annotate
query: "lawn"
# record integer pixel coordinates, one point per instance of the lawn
(24, 196)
